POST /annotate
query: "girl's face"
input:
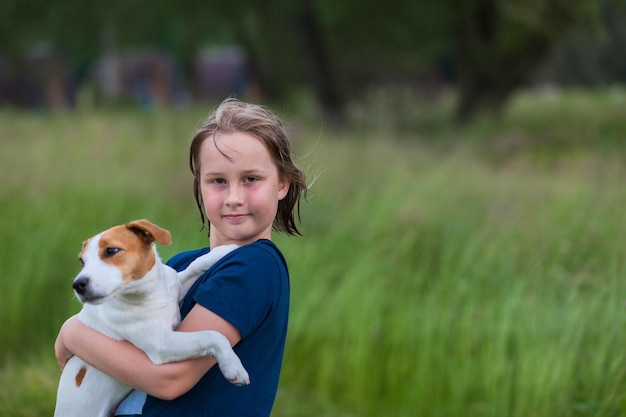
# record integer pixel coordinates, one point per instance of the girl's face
(240, 187)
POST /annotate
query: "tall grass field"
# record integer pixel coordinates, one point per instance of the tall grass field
(444, 271)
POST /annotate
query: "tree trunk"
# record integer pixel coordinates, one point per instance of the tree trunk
(318, 66)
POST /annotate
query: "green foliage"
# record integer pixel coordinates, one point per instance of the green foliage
(439, 277)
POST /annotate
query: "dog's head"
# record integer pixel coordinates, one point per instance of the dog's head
(117, 257)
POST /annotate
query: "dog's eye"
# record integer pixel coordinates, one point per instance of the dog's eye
(111, 251)
(82, 263)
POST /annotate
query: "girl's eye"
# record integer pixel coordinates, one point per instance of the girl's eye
(250, 179)
(218, 181)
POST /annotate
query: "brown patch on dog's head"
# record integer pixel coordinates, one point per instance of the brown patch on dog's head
(80, 375)
(129, 247)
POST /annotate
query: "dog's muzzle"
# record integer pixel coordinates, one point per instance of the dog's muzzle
(86, 292)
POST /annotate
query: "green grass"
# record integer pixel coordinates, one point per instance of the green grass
(444, 271)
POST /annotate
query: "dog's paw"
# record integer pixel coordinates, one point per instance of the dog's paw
(206, 261)
(233, 370)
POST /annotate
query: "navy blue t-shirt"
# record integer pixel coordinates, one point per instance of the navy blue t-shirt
(249, 288)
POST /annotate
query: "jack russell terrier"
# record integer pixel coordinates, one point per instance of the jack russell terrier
(129, 294)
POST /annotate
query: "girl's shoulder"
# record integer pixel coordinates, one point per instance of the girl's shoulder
(260, 254)
(259, 247)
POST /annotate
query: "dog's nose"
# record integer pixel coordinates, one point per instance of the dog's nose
(80, 284)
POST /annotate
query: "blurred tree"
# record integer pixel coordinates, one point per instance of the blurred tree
(320, 71)
(267, 33)
(488, 48)
(614, 15)
(500, 44)
(285, 47)
(591, 58)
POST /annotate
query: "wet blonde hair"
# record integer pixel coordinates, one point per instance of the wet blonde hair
(233, 116)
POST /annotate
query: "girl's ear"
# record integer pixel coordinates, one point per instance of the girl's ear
(283, 187)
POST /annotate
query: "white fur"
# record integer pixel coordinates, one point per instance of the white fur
(143, 312)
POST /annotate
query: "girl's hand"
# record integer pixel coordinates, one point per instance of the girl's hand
(60, 350)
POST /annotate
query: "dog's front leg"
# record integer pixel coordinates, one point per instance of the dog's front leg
(178, 346)
(202, 264)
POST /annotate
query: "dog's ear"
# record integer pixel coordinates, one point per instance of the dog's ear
(149, 232)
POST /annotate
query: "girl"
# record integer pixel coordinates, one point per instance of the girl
(245, 185)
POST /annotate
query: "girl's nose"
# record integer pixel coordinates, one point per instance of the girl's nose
(235, 196)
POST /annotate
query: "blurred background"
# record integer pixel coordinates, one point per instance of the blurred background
(463, 243)
(174, 53)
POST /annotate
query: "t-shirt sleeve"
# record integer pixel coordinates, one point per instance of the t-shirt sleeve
(243, 289)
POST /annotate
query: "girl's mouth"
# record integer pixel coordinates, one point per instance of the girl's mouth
(235, 217)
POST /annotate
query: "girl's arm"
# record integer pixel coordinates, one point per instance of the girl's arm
(128, 364)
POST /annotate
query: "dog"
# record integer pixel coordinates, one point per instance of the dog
(129, 294)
